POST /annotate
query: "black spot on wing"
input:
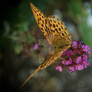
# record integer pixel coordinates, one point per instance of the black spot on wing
(42, 25)
(55, 29)
(61, 27)
(62, 34)
(54, 25)
(41, 28)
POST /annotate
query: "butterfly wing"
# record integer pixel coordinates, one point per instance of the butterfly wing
(41, 21)
(56, 34)
(54, 30)
(59, 34)
(50, 60)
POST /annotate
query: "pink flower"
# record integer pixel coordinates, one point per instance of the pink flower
(71, 68)
(85, 64)
(79, 67)
(75, 58)
(86, 49)
(68, 53)
(59, 68)
(67, 62)
(75, 44)
(85, 57)
(36, 46)
(78, 59)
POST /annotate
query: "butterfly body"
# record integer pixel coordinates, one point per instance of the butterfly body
(56, 34)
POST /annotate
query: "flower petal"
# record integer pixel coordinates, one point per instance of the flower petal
(86, 49)
(71, 68)
(74, 44)
(36, 46)
(79, 67)
(78, 59)
(59, 68)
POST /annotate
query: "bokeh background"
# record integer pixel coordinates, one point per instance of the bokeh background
(23, 46)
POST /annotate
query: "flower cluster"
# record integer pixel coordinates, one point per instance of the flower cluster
(75, 58)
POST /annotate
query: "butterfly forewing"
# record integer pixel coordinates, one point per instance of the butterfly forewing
(41, 20)
(54, 30)
(59, 34)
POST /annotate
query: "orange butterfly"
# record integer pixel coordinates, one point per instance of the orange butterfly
(56, 34)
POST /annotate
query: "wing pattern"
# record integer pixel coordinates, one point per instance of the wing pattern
(56, 34)
(54, 30)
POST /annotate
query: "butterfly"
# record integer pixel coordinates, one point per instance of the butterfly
(57, 35)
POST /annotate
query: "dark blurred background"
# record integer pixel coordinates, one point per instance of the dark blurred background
(23, 47)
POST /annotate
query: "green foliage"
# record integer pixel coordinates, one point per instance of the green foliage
(75, 8)
(86, 32)
(79, 14)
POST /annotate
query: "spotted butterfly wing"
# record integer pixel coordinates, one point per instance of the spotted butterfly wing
(54, 30)
(41, 21)
(56, 34)
(60, 37)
